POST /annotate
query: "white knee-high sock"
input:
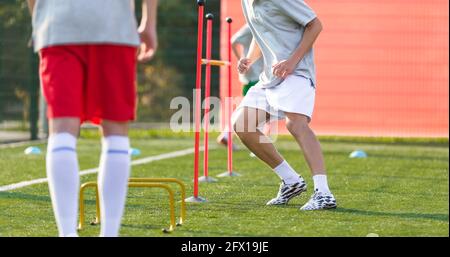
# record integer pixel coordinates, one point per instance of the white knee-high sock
(113, 183)
(63, 181)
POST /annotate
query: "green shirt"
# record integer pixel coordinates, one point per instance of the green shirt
(278, 27)
(58, 22)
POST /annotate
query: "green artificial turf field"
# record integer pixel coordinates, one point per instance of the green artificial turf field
(401, 189)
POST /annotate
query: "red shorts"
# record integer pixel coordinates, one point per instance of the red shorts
(91, 82)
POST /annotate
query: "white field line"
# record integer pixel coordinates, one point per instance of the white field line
(94, 170)
(18, 144)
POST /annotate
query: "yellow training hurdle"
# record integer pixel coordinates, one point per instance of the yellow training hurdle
(140, 182)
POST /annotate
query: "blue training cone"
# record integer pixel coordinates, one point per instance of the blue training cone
(134, 152)
(32, 150)
(358, 154)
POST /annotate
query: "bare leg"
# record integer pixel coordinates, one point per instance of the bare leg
(111, 128)
(246, 126)
(64, 125)
(298, 126)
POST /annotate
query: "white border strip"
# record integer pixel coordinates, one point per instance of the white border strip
(94, 170)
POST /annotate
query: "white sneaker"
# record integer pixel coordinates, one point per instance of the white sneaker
(320, 201)
(287, 192)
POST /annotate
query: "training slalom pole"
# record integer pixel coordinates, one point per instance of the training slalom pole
(198, 83)
(229, 172)
(209, 27)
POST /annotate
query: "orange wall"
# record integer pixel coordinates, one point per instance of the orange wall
(382, 66)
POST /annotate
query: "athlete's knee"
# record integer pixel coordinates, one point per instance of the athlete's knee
(297, 127)
(110, 128)
(243, 122)
(241, 131)
(64, 125)
(240, 128)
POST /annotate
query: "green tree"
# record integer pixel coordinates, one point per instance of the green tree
(171, 73)
(15, 59)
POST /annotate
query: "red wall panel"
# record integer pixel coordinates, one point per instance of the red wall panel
(382, 66)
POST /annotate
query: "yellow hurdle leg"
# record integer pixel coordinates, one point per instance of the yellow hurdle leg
(134, 184)
(169, 180)
(97, 207)
(171, 200)
(81, 203)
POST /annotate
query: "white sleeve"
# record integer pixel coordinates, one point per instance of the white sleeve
(242, 36)
(298, 10)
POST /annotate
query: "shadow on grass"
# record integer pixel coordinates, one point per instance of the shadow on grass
(211, 233)
(253, 206)
(409, 157)
(43, 198)
(145, 226)
(377, 154)
(391, 177)
(428, 216)
(185, 230)
(130, 226)
(17, 195)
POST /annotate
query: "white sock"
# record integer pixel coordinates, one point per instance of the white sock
(287, 173)
(113, 176)
(321, 183)
(225, 135)
(63, 181)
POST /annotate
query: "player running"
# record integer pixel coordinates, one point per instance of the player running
(284, 33)
(87, 52)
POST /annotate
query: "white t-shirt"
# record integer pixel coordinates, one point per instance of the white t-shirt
(58, 22)
(278, 27)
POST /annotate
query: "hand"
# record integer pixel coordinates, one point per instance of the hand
(149, 44)
(243, 65)
(284, 68)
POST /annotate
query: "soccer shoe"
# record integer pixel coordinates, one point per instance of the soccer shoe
(320, 201)
(287, 192)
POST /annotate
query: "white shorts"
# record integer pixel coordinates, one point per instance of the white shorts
(296, 94)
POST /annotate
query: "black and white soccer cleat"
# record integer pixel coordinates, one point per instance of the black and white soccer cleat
(287, 192)
(320, 201)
